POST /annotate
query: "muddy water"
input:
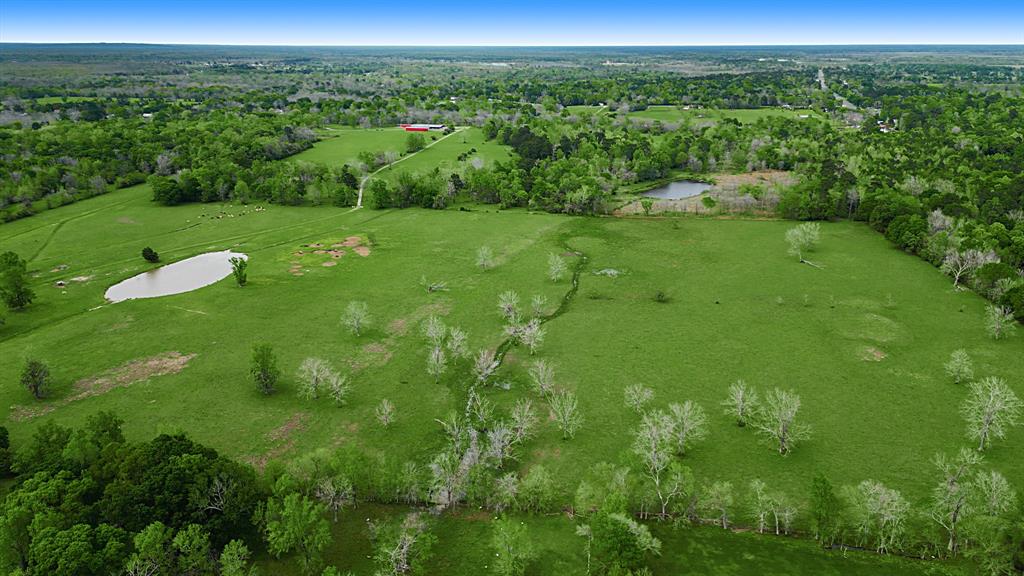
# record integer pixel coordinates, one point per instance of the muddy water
(678, 189)
(183, 276)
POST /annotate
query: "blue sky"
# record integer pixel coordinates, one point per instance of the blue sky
(520, 22)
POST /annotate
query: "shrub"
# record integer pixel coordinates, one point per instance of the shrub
(150, 255)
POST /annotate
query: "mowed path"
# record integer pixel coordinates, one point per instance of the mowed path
(362, 183)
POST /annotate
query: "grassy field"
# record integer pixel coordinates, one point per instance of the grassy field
(342, 146)
(867, 366)
(744, 116)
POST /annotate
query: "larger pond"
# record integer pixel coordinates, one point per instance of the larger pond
(183, 276)
(678, 189)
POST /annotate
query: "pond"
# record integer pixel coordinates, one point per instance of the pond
(678, 189)
(183, 276)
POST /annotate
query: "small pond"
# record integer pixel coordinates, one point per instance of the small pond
(678, 189)
(183, 276)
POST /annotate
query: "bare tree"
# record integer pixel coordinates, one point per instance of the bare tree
(654, 445)
(994, 495)
(637, 396)
(537, 305)
(338, 388)
(508, 304)
(485, 258)
(505, 489)
(532, 335)
(959, 264)
(999, 321)
(990, 410)
(437, 362)
(385, 412)
(458, 343)
(880, 513)
(951, 495)
(777, 420)
(484, 365)
(542, 375)
(959, 367)
(690, 424)
(742, 403)
(357, 315)
(556, 268)
(802, 238)
(335, 493)
(434, 330)
(524, 421)
(568, 418)
(313, 375)
(760, 504)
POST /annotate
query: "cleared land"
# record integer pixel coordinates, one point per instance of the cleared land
(869, 369)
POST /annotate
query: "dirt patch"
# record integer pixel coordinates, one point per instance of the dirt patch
(872, 354)
(124, 375)
(282, 439)
(398, 327)
(363, 251)
(81, 278)
(329, 263)
(351, 241)
(126, 220)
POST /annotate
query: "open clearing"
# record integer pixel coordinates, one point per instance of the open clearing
(869, 373)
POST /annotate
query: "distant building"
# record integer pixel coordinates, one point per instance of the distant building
(422, 127)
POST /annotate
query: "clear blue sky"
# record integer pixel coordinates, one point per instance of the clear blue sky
(519, 22)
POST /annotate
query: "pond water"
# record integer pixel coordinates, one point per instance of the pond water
(182, 276)
(678, 189)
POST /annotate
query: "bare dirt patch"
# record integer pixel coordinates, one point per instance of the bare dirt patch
(351, 242)
(329, 263)
(363, 251)
(121, 376)
(282, 439)
(126, 220)
(81, 278)
(872, 354)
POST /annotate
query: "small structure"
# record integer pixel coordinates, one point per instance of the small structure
(422, 127)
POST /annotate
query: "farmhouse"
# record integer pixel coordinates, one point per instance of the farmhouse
(422, 127)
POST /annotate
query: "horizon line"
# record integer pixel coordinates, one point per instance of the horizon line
(724, 45)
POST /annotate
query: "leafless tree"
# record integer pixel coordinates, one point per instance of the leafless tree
(437, 362)
(537, 305)
(335, 493)
(508, 304)
(880, 513)
(500, 442)
(524, 421)
(485, 258)
(994, 495)
(990, 410)
(937, 221)
(400, 555)
(742, 403)
(435, 331)
(542, 375)
(505, 489)
(760, 504)
(556, 268)
(458, 343)
(959, 264)
(959, 367)
(999, 321)
(385, 412)
(313, 377)
(567, 416)
(654, 445)
(484, 365)
(357, 315)
(951, 500)
(777, 420)
(637, 396)
(532, 335)
(690, 424)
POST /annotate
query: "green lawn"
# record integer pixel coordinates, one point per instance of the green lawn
(869, 371)
(745, 116)
(343, 145)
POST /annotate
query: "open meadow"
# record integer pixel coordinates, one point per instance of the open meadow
(675, 114)
(684, 306)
